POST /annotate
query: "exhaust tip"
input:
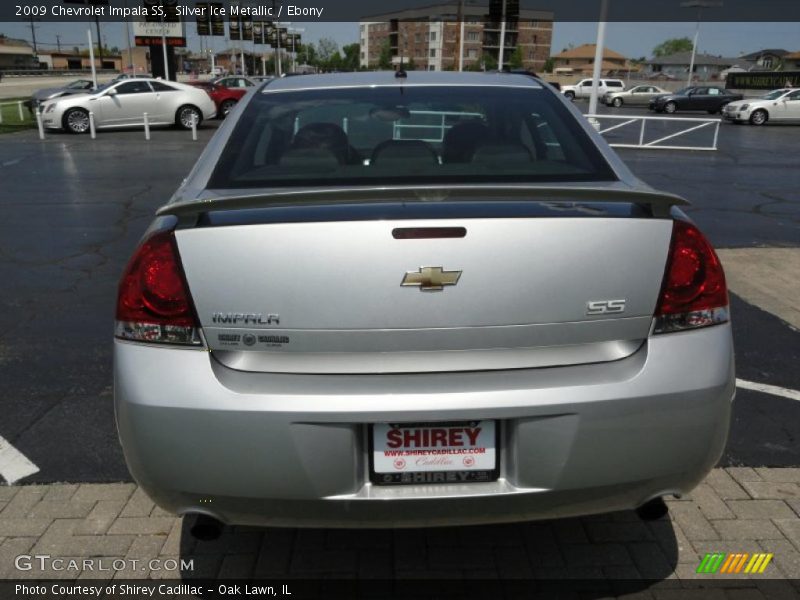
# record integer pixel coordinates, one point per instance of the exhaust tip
(652, 510)
(206, 529)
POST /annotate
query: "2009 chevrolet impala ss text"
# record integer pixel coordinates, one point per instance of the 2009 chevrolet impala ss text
(483, 315)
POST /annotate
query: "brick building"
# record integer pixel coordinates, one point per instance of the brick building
(429, 37)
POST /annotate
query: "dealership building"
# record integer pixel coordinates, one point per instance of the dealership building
(433, 37)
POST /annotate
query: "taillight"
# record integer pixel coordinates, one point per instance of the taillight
(693, 293)
(153, 303)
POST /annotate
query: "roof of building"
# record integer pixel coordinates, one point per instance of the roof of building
(684, 58)
(478, 9)
(588, 51)
(793, 56)
(774, 51)
(414, 78)
(12, 46)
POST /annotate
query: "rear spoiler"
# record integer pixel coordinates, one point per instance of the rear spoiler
(658, 203)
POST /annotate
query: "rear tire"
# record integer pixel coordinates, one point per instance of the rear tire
(759, 117)
(184, 115)
(670, 108)
(226, 107)
(76, 120)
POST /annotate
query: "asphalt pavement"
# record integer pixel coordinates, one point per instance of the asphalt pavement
(72, 210)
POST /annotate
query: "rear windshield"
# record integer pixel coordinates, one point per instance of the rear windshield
(407, 136)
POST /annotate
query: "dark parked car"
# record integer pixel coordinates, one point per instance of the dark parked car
(710, 99)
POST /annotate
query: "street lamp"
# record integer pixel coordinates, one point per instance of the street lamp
(699, 5)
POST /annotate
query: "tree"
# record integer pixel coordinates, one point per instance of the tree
(489, 62)
(672, 46)
(385, 57)
(411, 66)
(549, 65)
(307, 53)
(326, 50)
(516, 58)
(351, 60)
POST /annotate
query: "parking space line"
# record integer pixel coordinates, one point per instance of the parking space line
(774, 390)
(13, 464)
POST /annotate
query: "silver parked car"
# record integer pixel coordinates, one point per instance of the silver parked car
(404, 301)
(639, 95)
(124, 103)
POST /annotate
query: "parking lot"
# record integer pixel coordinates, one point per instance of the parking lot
(72, 209)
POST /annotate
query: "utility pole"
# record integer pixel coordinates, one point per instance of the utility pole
(128, 41)
(58, 43)
(33, 36)
(99, 41)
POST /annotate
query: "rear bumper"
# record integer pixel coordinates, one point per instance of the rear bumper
(292, 450)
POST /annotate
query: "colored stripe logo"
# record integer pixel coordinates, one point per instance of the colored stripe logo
(734, 563)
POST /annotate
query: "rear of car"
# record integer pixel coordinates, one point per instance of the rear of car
(381, 301)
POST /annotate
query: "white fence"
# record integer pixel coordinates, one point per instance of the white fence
(690, 126)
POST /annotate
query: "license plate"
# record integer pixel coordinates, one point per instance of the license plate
(422, 453)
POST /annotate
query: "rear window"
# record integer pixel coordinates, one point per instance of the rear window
(407, 136)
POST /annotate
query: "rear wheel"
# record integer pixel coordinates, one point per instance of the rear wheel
(670, 107)
(76, 120)
(617, 102)
(226, 107)
(759, 117)
(185, 115)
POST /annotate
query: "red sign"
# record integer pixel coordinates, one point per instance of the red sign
(156, 41)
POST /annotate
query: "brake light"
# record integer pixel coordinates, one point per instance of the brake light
(153, 302)
(693, 293)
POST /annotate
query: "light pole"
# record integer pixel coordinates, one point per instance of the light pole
(292, 31)
(598, 56)
(699, 5)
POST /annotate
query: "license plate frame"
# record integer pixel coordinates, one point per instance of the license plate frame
(435, 477)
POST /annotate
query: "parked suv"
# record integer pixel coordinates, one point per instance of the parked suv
(584, 88)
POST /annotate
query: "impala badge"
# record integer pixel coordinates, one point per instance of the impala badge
(431, 279)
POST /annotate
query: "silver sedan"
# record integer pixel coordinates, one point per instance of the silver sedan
(639, 95)
(124, 104)
(383, 300)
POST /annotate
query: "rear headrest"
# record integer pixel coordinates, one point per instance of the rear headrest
(461, 140)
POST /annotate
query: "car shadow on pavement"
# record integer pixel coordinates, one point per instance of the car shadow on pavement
(610, 553)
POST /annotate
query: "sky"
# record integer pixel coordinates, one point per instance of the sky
(631, 39)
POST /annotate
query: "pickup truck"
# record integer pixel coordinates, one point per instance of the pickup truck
(584, 88)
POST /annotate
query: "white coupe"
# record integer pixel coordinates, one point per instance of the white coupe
(124, 104)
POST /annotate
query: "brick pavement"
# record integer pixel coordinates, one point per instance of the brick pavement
(734, 510)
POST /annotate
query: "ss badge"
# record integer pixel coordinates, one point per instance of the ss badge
(605, 307)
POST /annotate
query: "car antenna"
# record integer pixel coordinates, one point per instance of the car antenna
(401, 72)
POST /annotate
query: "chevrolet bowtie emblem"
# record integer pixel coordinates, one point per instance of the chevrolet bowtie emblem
(431, 279)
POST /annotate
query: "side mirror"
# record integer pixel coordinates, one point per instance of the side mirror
(112, 92)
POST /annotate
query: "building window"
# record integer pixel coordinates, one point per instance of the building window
(472, 53)
(362, 28)
(431, 67)
(473, 36)
(417, 38)
(767, 62)
(536, 39)
(433, 36)
(433, 52)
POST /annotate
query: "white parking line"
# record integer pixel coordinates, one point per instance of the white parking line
(13, 464)
(768, 389)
